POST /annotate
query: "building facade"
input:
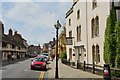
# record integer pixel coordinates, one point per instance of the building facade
(86, 23)
(62, 41)
(13, 45)
(46, 47)
(34, 49)
(52, 48)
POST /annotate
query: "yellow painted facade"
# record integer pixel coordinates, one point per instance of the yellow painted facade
(62, 42)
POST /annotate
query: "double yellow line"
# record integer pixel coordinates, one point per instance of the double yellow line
(42, 74)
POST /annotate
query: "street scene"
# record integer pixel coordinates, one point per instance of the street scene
(21, 70)
(60, 40)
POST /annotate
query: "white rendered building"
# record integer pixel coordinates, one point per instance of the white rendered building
(86, 23)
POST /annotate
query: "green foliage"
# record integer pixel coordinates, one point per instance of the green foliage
(118, 60)
(117, 32)
(110, 41)
(115, 73)
(63, 55)
(106, 43)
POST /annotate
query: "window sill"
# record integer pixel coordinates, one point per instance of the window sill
(95, 36)
(79, 40)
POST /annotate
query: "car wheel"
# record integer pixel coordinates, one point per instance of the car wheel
(45, 68)
(31, 68)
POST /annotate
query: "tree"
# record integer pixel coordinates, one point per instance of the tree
(117, 32)
(110, 41)
(63, 55)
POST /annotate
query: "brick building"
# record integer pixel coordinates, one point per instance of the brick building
(13, 44)
(34, 49)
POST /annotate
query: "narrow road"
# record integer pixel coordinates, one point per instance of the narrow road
(21, 70)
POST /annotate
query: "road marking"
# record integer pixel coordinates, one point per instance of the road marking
(27, 69)
(41, 77)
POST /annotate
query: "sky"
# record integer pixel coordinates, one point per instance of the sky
(33, 19)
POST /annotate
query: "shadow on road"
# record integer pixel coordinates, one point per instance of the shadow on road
(5, 63)
(41, 69)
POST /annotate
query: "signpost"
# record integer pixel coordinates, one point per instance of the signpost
(69, 40)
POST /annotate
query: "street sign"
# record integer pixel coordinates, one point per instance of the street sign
(69, 41)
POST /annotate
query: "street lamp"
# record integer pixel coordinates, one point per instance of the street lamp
(57, 26)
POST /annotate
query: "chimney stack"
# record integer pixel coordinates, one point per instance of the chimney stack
(1, 28)
(10, 32)
(15, 33)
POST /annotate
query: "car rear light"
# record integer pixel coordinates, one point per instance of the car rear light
(106, 72)
(32, 63)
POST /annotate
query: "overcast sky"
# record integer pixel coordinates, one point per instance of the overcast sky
(34, 20)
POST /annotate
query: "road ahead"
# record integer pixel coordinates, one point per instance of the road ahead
(21, 70)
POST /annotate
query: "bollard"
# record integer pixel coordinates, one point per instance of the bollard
(77, 64)
(93, 68)
(106, 72)
(84, 66)
(69, 61)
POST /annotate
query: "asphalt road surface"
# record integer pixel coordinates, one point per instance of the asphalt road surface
(21, 71)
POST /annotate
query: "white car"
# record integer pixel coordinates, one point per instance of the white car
(46, 54)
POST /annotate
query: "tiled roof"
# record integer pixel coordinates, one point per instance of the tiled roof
(11, 40)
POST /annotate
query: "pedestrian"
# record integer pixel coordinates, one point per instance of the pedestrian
(8, 58)
(18, 56)
(12, 57)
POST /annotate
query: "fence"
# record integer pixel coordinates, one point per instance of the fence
(95, 69)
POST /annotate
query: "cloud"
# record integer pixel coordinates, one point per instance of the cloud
(16, 1)
(34, 20)
(32, 14)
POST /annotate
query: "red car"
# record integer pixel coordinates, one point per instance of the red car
(38, 63)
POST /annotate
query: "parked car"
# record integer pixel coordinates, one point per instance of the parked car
(32, 55)
(38, 63)
(46, 54)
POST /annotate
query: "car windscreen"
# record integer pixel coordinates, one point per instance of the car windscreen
(45, 54)
(39, 59)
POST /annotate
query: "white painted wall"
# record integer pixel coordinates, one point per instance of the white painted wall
(102, 10)
(68, 29)
(86, 15)
(82, 21)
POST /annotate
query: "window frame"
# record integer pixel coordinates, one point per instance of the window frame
(97, 26)
(78, 14)
(69, 22)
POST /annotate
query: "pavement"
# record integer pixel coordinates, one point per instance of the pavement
(5, 63)
(67, 72)
(21, 70)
